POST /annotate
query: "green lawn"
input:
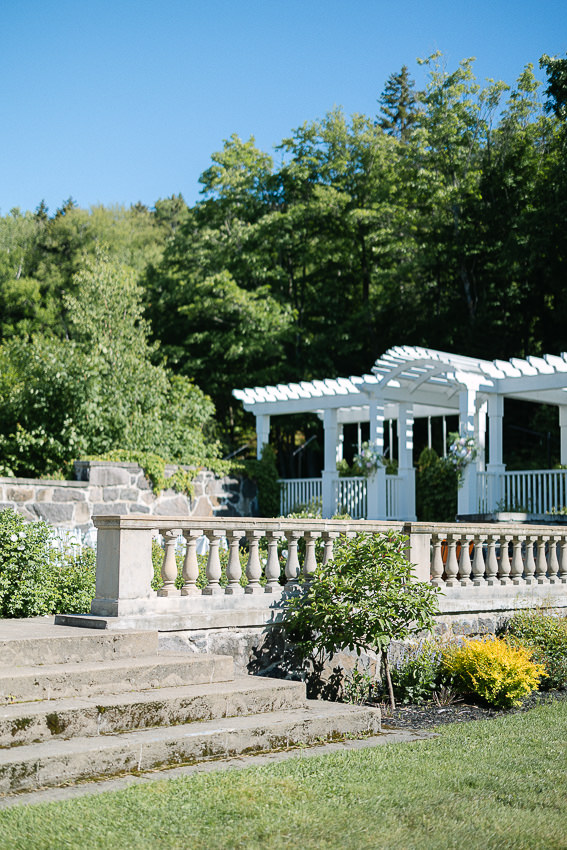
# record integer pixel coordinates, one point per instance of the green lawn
(489, 784)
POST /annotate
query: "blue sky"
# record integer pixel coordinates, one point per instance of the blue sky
(115, 101)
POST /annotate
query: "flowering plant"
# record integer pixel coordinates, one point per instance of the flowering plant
(369, 459)
(462, 451)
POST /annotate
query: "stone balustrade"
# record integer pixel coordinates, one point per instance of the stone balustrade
(485, 567)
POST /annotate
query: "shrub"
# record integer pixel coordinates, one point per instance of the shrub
(492, 669)
(362, 599)
(416, 672)
(37, 579)
(545, 634)
(74, 578)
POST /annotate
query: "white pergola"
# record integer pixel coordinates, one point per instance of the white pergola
(407, 383)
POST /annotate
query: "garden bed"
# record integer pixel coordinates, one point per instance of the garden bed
(431, 715)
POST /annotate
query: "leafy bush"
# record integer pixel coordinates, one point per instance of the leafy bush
(360, 688)
(37, 579)
(74, 577)
(492, 669)
(416, 672)
(362, 599)
(545, 634)
(436, 488)
(265, 473)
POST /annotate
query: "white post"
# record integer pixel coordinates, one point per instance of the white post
(495, 468)
(340, 443)
(563, 431)
(376, 484)
(262, 433)
(330, 475)
(406, 472)
(467, 502)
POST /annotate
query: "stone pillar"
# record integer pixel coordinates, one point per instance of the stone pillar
(376, 484)
(262, 433)
(330, 475)
(124, 568)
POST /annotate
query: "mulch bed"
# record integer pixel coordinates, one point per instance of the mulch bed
(431, 715)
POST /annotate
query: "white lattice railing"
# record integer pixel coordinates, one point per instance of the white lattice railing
(534, 491)
(351, 497)
(299, 493)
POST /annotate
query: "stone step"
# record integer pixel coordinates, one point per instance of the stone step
(27, 723)
(39, 641)
(114, 677)
(57, 762)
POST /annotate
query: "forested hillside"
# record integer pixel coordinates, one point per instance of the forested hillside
(439, 221)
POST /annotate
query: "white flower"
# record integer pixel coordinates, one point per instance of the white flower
(14, 538)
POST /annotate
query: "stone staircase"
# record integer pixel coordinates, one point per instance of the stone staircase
(81, 704)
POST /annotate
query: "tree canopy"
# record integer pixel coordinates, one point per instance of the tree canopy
(438, 222)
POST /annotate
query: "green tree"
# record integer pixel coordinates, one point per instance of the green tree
(399, 105)
(362, 599)
(99, 390)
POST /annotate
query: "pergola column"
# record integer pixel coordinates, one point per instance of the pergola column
(467, 499)
(495, 468)
(262, 433)
(330, 475)
(376, 484)
(563, 432)
(406, 471)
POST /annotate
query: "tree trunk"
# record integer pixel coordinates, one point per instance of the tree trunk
(386, 664)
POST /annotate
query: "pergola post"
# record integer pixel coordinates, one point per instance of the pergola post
(467, 499)
(262, 433)
(495, 468)
(406, 471)
(376, 484)
(563, 432)
(330, 475)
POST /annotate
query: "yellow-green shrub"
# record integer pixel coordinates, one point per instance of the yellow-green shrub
(499, 673)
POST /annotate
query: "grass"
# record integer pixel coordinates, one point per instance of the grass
(488, 784)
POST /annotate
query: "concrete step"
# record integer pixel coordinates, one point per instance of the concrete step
(27, 723)
(57, 762)
(115, 677)
(39, 641)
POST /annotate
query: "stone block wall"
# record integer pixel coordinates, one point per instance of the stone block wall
(122, 488)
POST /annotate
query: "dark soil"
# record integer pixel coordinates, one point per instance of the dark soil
(431, 715)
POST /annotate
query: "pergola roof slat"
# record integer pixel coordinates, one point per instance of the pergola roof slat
(419, 375)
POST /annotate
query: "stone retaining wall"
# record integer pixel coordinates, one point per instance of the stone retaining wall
(112, 488)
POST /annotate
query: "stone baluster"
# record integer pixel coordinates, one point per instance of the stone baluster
(465, 561)
(272, 570)
(491, 561)
(553, 566)
(310, 562)
(437, 567)
(253, 565)
(517, 570)
(529, 566)
(292, 567)
(190, 563)
(452, 565)
(478, 565)
(169, 565)
(504, 566)
(541, 562)
(234, 567)
(562, 577)
(329, 538)
(214, 571)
